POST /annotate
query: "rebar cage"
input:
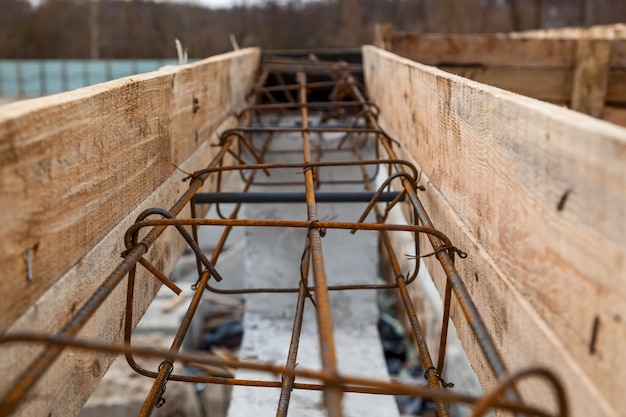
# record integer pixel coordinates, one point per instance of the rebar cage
(382, 182)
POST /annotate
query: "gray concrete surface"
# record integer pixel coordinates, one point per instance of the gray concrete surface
(272, 258)
(261, 257)
(256, 257)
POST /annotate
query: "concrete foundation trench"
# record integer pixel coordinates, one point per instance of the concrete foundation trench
(304, 289)
(262, 310)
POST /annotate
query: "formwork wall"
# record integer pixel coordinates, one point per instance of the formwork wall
(76, 169)
(583, 69)
(536, 195)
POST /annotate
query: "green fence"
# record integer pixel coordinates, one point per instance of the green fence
(40, 77)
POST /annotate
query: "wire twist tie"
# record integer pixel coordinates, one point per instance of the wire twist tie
(313, 225)
(443, 382)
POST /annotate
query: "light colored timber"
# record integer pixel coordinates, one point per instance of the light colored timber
(536, 194)
(441, 49)
(586, 71)
(485, 50)
(614, 31)
(591, 76)
(383, 34)
(73, 165)
(552, 84)
(76, 169)
(72, 378)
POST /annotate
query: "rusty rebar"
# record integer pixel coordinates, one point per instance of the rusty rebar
(346, 382)
(466, 303)
(288, 381)
(332, 395)
(363, 129)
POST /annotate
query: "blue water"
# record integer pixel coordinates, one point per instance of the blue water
(41, 77)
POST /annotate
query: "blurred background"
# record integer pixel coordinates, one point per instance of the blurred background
(107, 29)
(55, 45)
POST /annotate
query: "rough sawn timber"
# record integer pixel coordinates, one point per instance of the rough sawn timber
(536, 194)
(583, 72)
(75, 171)
(613, 31)
(591, 77)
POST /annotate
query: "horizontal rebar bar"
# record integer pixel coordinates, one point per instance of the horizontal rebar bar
(293, 197)
(348, 383)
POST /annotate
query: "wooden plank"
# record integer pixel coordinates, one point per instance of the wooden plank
(616, 89)
(201, 102)
(591, 76)
(616, 115)
(613, 31)
(73, 165)
(139, 127)
(542, 68)
(618, 57)
(537, 195)
(383, 35)
(76, 374)
(66, 163)
(540, 83)
(494, 50)
(484, 50)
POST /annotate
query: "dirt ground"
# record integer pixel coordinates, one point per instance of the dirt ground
(123, 391)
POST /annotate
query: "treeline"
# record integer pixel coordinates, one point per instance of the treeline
(146, 29)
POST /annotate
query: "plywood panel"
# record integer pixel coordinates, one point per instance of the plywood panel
(536, 194)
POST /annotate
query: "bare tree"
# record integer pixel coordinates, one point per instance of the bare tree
(515, 15)
(349, 23)
(586, 17)
(146, 29)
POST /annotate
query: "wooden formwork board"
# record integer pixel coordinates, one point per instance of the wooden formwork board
(536, 194)
(75, 171)
(614, 31)
(585, 73)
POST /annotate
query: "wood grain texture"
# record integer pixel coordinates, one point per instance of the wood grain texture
(537, 195)
(75, 164)
(613, 31)
(76, 169)
(540, 83)
(485, 50)
(71, 168)
(75, 374)
(548, 69)
(511, 50)
(591, 76)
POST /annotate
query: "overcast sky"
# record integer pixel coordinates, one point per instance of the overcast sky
(217, 3)
(207, 3)
(223, 3)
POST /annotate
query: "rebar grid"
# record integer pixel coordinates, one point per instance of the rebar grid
(348, 99)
